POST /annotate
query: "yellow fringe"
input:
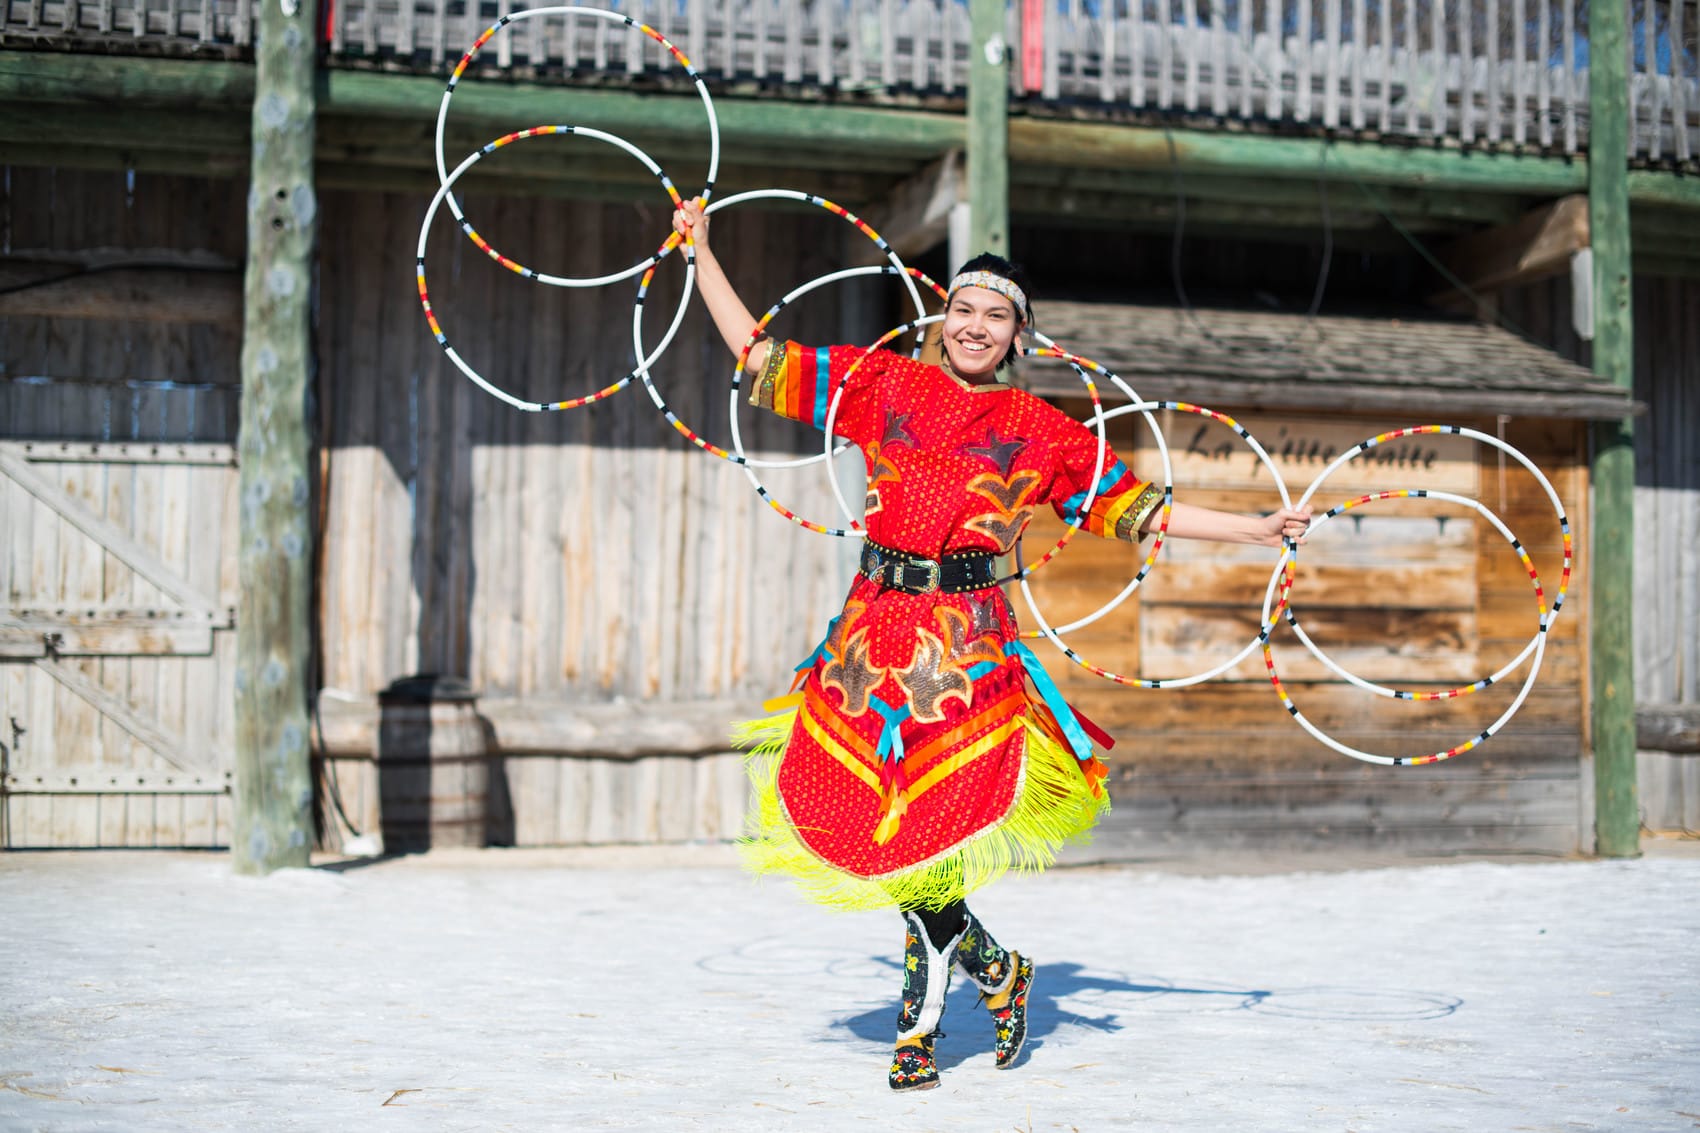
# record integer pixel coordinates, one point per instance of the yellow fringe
(1054, 806)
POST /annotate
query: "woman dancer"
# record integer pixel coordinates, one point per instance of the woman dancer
(918, 765)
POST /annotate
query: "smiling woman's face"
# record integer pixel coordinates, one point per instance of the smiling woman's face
(979, 325)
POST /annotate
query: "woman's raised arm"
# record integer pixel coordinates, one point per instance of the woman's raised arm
(731, 318)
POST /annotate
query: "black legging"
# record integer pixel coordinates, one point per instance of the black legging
(942, 924)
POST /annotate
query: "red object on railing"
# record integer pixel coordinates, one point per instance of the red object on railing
(1032, 45)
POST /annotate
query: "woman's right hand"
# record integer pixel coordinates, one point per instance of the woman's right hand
(689, 219)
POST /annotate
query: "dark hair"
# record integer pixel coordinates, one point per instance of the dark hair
(1016, 274)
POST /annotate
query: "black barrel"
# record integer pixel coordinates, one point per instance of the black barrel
(433, 765)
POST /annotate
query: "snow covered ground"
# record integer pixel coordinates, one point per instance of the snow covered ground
(646, 991)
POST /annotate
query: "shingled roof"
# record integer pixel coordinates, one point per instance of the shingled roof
(1255, 359)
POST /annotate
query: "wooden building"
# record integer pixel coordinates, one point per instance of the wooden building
(615, 596)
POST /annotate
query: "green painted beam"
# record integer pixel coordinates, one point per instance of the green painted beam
(125, 80)
(810, 133)
(272, 788)
(988, 129)
(641, 117)
(1136, 148)
(1617, 819)
(1474, 208)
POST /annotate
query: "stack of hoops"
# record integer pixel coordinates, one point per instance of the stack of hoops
(1276, 606)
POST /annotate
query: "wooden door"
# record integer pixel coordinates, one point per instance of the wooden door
(116, 653)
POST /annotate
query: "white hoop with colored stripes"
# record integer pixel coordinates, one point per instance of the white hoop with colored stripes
(1054, 635)
(1546, 616)
(1286, 568)
(596, 13)
(445, 191)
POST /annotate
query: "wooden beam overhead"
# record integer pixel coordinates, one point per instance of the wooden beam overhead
(914, 217)
(172, 295)
(1535, 247)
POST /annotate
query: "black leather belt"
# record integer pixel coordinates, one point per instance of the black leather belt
(957, 573)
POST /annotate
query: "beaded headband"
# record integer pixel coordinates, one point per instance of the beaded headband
(992, 282)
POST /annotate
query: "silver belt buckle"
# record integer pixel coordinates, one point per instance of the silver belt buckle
(933, 575)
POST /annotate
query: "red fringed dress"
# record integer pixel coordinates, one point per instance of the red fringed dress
(918, 764)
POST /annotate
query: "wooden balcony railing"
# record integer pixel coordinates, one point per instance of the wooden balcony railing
(1500, 73)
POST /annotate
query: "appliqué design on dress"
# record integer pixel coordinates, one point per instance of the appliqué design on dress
(930, 679)
(852, 674)
(1001, 451)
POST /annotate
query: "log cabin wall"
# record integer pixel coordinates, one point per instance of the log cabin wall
(616, 596)
(1414, 594)
(1667, 514)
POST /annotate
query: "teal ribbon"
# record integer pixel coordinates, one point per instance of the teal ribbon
(891, 736)
(1077, 738)
(820, 649)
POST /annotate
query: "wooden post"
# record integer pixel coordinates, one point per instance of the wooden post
(1617, 820)
(988, 129)
(272, 823)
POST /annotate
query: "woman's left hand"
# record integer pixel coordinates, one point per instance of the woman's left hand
(1285, 523)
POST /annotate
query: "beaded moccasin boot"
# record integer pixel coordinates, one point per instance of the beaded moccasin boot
(1009, 1011)
(926, 978)
(1003, 978)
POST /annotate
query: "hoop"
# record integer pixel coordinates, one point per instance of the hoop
(1287, 568)
(445, 191)
(828, 451)
(755, 335)
(673, 241)
(1540, 597)
(601, 14)
(1080, 365)
(1054, 635)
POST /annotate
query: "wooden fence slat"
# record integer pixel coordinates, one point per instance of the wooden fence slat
(1245, 65)
(856, 45)
(1384, 69)
(1519, 75)
(1543, 73)
(1107, 30)
(1191, 27)
(794, 54)
(825, 31)
(1218, 61)
(1273, 98)
(1572, 80)
(1301, 66)
(1165, 55)
(1678, 88)
(1493, 58)
(1466, 80)
(1136, 50)
(1360, 56)
(888, 43)
(1331, 78)
(406, 29)
(634, 41)
(1439, 66)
